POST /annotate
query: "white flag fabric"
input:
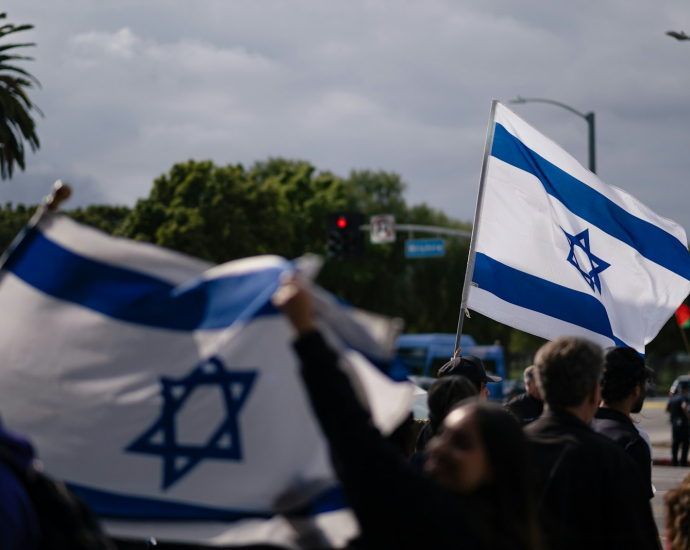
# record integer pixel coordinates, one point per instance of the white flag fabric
(560, 252)
(165, 390)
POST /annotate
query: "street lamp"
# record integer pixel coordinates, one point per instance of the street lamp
(589, 117)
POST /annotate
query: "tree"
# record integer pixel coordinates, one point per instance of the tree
(16, 123)
(225, 213)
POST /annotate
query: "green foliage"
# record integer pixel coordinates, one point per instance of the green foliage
(224, 213)
(16, 124)
(12, 220)
(104, 217)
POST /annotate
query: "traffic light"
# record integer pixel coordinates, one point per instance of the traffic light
(345, 239)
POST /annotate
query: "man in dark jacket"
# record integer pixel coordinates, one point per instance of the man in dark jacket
(19, 529)
(529, 405)
(623, 391)
(680, 426)
(591, 492)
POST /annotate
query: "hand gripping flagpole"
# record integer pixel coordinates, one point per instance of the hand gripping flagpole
(475, 224)
(59, 192)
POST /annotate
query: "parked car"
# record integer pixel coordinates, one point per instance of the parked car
(424, 354)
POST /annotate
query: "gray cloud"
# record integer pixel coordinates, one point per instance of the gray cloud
(132, 87)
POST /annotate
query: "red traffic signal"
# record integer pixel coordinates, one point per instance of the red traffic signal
(345, 239)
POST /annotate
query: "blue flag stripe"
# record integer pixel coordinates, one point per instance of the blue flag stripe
(650, 241)
(542, 296)
(134, 297)
(113, 505)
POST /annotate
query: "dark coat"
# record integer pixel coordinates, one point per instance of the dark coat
(679, 415)
(525, 407)
(620, 428)
(396, 507)
(19, 529)
(591, 492)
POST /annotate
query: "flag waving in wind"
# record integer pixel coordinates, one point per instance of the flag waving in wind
(165, 391)
(560, 252)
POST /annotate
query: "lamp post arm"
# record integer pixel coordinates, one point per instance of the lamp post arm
(558, 103)
(589, 117)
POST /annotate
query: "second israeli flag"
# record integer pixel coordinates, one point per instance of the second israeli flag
(560, 252)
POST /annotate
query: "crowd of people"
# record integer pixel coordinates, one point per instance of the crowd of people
(562, 466)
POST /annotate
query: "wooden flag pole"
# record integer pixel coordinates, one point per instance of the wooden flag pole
(475, 224)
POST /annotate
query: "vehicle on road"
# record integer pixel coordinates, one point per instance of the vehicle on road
(424, 354)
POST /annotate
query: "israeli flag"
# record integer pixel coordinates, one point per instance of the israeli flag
(165, 391)
(560, 252)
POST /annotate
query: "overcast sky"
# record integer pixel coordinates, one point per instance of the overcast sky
(131, 87)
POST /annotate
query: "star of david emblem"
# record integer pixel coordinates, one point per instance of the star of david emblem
(590, 272)
(224, 443)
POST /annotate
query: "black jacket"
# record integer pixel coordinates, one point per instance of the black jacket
(396, 507)
(679, 416)
(620, 428)
(525, 407)
(591, 492)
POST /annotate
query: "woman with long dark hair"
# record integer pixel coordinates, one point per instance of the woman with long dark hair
(483, 455)
(473, 497)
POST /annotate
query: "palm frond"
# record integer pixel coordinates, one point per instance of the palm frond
(17, 126)
(10, 46)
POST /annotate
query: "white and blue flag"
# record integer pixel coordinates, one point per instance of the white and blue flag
(560, 252)
(165, 391)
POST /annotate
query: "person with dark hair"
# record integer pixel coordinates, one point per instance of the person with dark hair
(677, 407)
(623, 391)
(528, 406)
(591, 494)
(677, 507)
(443, 395)
(491, 447)
(477, 493)
(472, 368)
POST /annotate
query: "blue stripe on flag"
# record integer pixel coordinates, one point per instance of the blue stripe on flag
(652, 242)
(113, 505)
(138, 298)
(542, 296)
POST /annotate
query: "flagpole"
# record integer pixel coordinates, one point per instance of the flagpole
(59, 192)
(475, 224)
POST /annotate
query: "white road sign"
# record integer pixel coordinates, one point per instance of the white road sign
(382, 229)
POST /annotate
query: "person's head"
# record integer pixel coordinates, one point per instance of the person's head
(568, 370)
(482, 446)
(473, 447)
(683, 386)
(471, 368)
(677, 504)
(531, 384)
(444, 394)
(624, 382)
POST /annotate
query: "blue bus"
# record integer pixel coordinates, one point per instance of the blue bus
(424, 354)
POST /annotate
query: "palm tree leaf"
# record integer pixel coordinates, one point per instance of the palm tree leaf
(4, 67)
(17, 126)
(10, 46)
